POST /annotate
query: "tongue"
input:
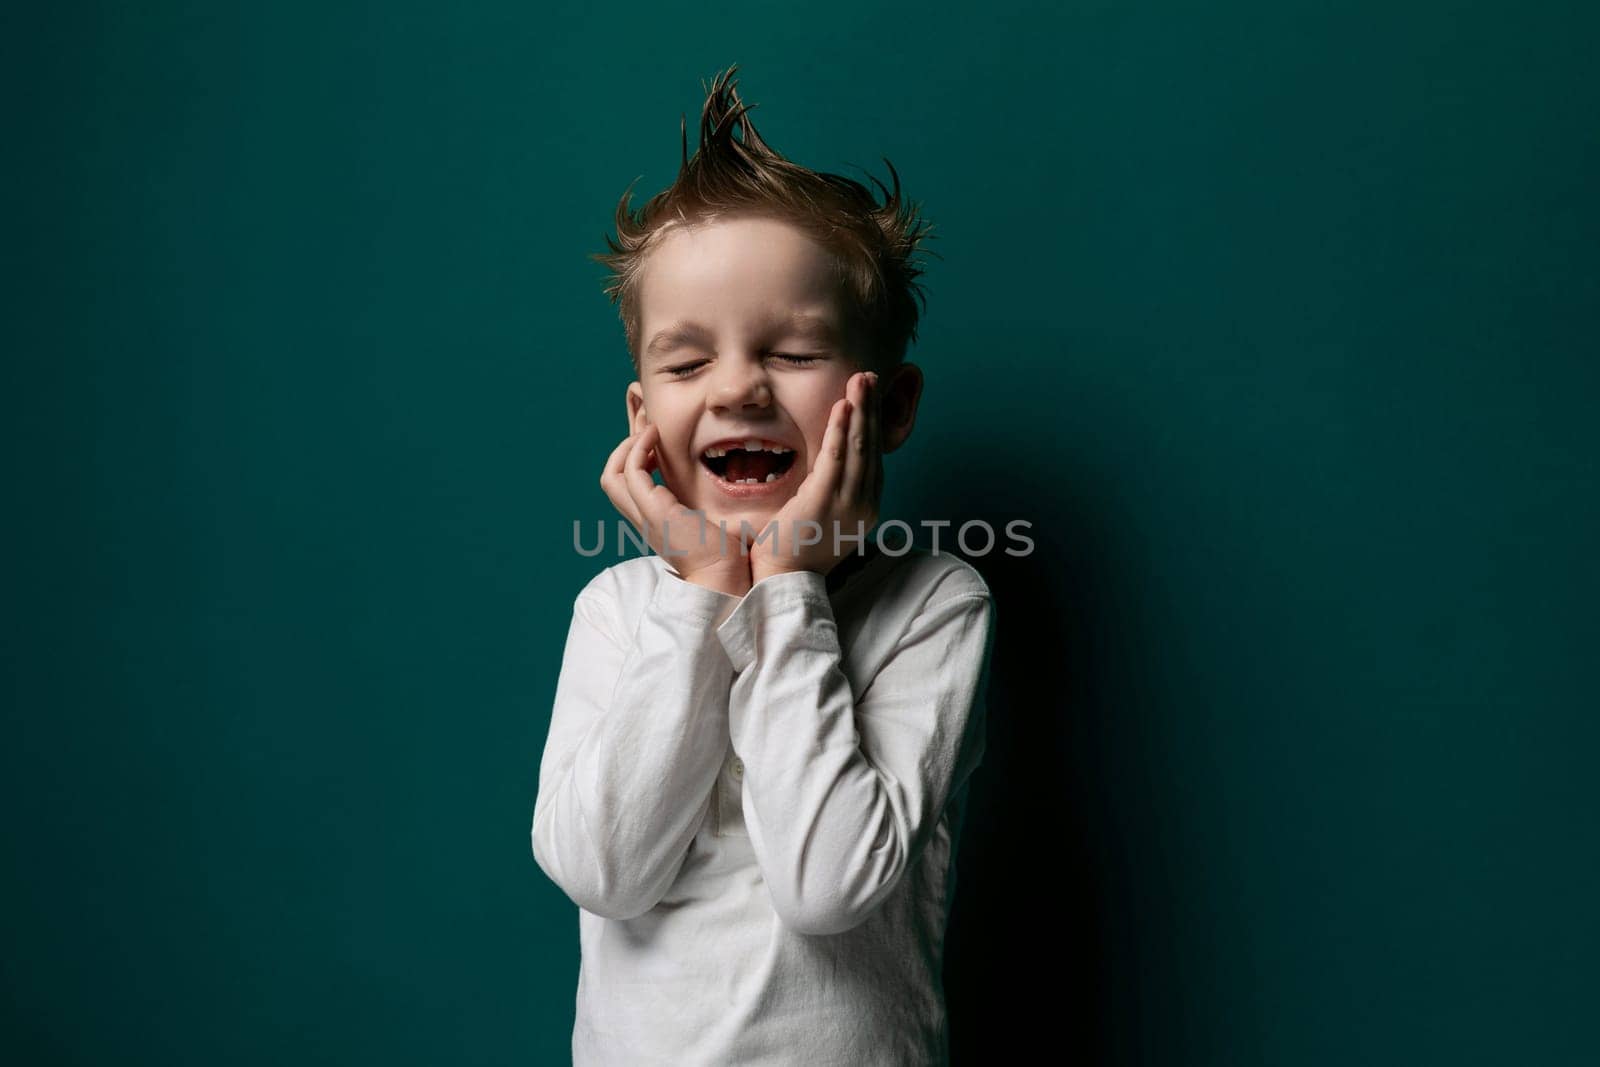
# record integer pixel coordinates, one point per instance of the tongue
(742, 465)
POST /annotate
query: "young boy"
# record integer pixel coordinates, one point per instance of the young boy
(758, 759)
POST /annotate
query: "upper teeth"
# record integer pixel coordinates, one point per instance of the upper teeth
(751, 445)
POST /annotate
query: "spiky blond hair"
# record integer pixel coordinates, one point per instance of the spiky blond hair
(873, 246)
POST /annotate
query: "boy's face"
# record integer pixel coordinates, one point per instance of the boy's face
(742, 337)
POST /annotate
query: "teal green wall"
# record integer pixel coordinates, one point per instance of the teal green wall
(1277, 320)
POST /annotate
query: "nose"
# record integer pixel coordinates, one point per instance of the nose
(741, 385)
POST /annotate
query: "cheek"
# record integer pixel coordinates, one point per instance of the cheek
(816, 424)
(679, 463)
(677, 436)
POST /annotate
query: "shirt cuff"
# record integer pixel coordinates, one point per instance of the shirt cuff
(684, 598)
(804, 593)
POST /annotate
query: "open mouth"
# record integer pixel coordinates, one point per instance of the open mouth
(753, 463)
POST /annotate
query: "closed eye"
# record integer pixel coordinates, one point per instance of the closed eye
(683, 370)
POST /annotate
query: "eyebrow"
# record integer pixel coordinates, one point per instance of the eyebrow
(798, 324)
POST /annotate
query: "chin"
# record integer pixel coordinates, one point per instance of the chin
(758, 520)
(732, 515)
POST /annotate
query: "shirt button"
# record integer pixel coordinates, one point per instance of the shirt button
(738, 767)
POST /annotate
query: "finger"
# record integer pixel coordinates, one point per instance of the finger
(614, 483)
(637, 483)
(855, 453)
(822, 482)
(636, 473)
(872, 481)
(612, 471)
(655, 502)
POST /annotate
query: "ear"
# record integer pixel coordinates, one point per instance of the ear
(638, 418)
(899, 392)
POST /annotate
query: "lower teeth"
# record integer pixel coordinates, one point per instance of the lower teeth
(752, 481)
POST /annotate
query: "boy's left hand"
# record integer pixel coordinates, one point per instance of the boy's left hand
(843, 488)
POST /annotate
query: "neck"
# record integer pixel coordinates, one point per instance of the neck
(850, 566)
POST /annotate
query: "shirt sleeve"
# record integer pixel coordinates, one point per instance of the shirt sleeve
(637, 736)
(842, 793)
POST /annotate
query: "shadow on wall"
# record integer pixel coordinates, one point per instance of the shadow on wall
(1034, 954)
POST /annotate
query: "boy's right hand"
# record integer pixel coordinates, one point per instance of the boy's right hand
(695, 551)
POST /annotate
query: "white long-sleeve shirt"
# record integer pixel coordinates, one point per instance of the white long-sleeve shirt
(756, 802)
